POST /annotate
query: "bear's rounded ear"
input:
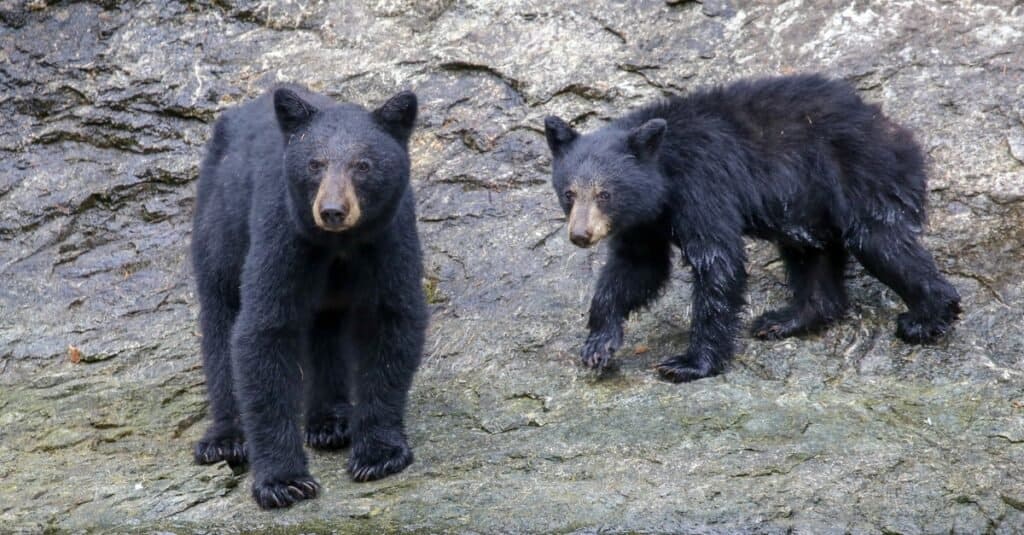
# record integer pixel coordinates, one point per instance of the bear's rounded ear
(292, 112)
(560, 135)
(398, 115)
(645, 140)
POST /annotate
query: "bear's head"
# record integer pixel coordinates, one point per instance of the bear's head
(608, 180)
(346, 168)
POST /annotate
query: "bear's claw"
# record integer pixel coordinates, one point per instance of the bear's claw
(377, 459)
(926, 329)
(787, 322)
(225, 448)
(914, 331)
(687, 367)
(600, 347)
(284, 493)
(328, 433)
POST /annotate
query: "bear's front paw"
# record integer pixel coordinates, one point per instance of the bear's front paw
(221, 445)
(382, 455)
(284, 492)
(600, 347)
(689, 367)
(327, 432)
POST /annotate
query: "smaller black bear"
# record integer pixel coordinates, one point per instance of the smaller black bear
(799, 160)
(308, 270)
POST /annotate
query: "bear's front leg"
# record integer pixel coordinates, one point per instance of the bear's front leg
(269, 338)
(719, 281)
(389, 353)
(638, 267)
(388, 332)
(604, 340)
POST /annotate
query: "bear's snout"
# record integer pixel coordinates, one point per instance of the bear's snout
(587, 224)
(336, 207)
(581, 237)
(333, 214)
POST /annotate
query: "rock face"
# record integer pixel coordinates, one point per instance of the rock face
(105, 107)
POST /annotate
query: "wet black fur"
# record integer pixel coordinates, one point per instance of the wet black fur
(287, 308)
(801, 161)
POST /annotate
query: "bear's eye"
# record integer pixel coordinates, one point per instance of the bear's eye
(362, 166)
(315, 166)
(570, 195)
(604, 196)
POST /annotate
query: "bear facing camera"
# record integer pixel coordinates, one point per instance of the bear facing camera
(801, 161)
(308, 270)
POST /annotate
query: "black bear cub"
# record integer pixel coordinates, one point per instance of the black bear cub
(800, 160)
(308, 270)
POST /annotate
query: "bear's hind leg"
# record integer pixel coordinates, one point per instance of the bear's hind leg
(893, 255)
(223, 440)
(327, 403)
(819, 296)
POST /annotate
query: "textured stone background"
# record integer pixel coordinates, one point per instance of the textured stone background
(105, 106)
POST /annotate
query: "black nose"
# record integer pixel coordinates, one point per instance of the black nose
(333, 215)
(580, 237)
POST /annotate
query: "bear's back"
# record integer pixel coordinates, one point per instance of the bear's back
(248, 139)
(244, 152)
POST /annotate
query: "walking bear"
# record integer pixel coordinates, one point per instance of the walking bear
(801, 161)
(308, 270)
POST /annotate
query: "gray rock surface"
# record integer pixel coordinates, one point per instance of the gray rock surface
(105, 106)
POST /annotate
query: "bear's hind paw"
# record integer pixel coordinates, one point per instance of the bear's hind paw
(686, 368)
(787, 322)
(913, 330)
(215, 450)
(328, 434)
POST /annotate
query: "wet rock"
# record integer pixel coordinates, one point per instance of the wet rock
(105, 109)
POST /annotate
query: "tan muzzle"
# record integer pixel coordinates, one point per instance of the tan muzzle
(336, 207)
(587, 224)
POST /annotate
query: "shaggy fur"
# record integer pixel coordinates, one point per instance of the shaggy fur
(801, 161)
(288, 300)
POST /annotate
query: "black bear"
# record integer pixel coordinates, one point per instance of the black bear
(309, 276)
(799, 160)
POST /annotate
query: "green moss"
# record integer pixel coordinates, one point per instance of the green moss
(431, 288)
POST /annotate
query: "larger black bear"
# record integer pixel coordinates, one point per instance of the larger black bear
(801, 161)
(308, 269)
